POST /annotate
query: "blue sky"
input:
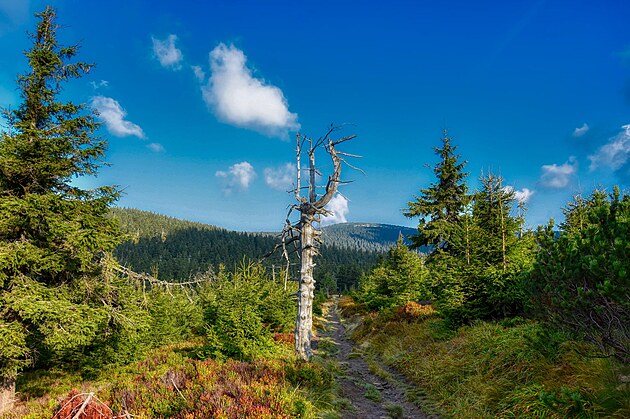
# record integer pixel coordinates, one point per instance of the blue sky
(201, 100)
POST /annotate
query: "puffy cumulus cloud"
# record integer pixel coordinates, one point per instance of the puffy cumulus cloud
(614, 155)
(156, 147)
(521, 196)
(558, 176)
(200, 75)
(338, 206)
(280, 178)
(167, 53)
(113, 115)
(237, 177)
(240, 99)
(580, 131)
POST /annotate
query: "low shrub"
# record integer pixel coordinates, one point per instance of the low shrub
(412, 311)
(83, 405)
(169, 384)
(399, 278)
(286, 338)
(310, 375)
(349, 307)
(242, 310)
(511, 369)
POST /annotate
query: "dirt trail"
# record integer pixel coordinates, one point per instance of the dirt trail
(372, 397)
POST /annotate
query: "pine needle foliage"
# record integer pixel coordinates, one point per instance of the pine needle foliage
(54, 295)
(440, 205)
(581, 278)
(399, 278)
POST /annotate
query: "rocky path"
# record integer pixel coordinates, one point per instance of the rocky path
(371, 396)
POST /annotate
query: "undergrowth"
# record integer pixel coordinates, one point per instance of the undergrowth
(172, 382)
(515, 368)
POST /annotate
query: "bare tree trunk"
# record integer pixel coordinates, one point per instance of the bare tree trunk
(7, 394)
(304, 320)
(311, 208)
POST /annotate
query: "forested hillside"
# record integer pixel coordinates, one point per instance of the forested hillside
(366, 236)
(471, 314)
(177, 249)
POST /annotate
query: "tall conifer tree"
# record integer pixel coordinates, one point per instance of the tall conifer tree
(440, 205)
(53, 235)
(492, 211)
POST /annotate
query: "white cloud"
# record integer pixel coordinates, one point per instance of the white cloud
(240, 99)
(102, 83)
(238, 176)
(615, 154)
(578, 132)
(110, 112)
(167, 53)
(199, 73)
(156, 147)
(280, 178)
(521, 196)
(558, 177)
(338, 205)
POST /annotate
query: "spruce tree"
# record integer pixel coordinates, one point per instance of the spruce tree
(492, 212)
(54, 236)
(483, 278)
(439, 206)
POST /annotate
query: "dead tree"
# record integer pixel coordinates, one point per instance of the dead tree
(302, 237)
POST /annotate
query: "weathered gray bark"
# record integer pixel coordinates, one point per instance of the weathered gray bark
(7, 394)
(311, 208)
(304, 321)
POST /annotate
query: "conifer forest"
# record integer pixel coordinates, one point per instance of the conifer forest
(114, 312)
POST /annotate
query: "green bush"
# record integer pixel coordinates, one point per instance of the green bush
(242, 309)
(581, 278)
(309, 374)
(399, 278)
(143, 321)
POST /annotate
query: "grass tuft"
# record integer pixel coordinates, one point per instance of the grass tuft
(515, 368)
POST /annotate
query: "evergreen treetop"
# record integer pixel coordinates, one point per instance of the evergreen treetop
(48, 141)
(492, 212)
(440, 205)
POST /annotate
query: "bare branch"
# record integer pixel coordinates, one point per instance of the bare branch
(298, 152)
(356, 156)
(154, 281)
(343, 140)
(353, 167)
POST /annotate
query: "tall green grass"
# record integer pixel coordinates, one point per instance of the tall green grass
(513, 369)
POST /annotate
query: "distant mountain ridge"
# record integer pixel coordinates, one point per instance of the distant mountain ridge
(365, 236)
(176, 249)
(374, 237)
